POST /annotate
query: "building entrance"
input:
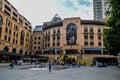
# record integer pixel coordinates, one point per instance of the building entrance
(71, 51)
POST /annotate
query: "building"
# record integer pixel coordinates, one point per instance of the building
(71, 36)
(37, 39)
(101, 8)
(15, 31)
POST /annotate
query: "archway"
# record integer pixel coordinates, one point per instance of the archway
(14, 50)
(21, 52)
(6, 48)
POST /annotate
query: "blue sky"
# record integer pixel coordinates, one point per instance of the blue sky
(39, 11)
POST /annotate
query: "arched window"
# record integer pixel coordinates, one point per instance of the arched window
(1, 21)
(71, 34)
(22, 37)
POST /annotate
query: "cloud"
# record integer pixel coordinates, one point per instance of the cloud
(39, 11)
(75, 4)
(77, 8)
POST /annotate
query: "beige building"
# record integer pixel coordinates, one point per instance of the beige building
(15, 30)
(72, 36)
(37, 39)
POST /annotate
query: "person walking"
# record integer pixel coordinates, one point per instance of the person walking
(11, 64)
(50, 65)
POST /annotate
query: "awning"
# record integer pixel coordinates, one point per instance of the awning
(93, 49)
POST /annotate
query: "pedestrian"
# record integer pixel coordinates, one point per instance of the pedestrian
(50, 65)
(11, 64)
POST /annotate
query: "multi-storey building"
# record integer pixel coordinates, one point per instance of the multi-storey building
(71, 36)
(37, 39)
(101, 8)
(15, 30)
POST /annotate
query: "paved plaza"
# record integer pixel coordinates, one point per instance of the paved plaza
(81, 73)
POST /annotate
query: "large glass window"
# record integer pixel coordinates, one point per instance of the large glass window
(1, 21)
(22, 37)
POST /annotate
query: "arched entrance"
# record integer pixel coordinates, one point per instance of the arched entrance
(14, 50)
(6, 48)
(21, 51)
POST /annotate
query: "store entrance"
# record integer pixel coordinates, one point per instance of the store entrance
(71, 51)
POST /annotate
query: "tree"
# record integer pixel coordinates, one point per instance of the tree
(112, 35)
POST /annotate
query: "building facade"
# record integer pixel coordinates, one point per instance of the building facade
(37, 39)
(72, 36)
(101, 8)
(15, 30)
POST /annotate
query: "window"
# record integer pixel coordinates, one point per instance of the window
(9, 39)
(5, 38)
(34, 42)
(91, 29)
(1, 21)
(6, 30)
(15, 27)
(53, 37)
(8, 23)
(53, 44)
(22, 37)
(38, 42)
(85, 29)
(53, 31)
(99, 44)
(14, 34)
(91, 43)
(58, 31)
(39, 38)
(6, 7)
(58, 44)
(34, 47)
(99, 37)
(17, 35)
(13, 40)
(85, 37)
(48, 44)
(85, 43)
(99, 30)
(91, 37)
(58, 37)
(9, 32)
(35, 38)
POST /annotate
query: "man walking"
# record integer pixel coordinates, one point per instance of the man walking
(50, 65)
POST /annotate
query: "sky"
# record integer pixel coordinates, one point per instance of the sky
(39, 11)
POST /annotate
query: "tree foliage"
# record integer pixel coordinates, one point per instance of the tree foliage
(112, 35)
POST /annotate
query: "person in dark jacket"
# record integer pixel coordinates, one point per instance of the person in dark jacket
(50, 65)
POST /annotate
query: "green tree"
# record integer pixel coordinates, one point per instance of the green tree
(112, 35)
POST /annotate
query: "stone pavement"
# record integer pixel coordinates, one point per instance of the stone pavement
(82, 73)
